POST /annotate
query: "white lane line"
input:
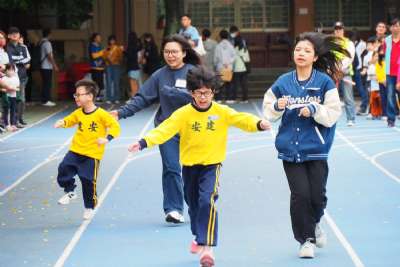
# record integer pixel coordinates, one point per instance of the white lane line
(33, 124)
(353, 255)
(27, 148)
(349, 249)
(38, 166)
(72, 243)
(353, 146)
(372, 159)
(383, 169)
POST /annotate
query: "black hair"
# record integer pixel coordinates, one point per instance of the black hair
(90, 86)
(13, 29)
(191, 55)
(186, 15)
(206, 33)
(381, 55)
(200, 76)
(233, 28)
(394, 21)
(371, 39)
(46, 32)
(112, 37)
(9, 66)
(380, 22)
(224, 34)
(238, 42)
(93, 36)
(133, 41)
(327, 48)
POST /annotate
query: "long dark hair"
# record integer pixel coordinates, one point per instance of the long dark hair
(191, 55)
(329, 49)
(94, 35)
(134, 43)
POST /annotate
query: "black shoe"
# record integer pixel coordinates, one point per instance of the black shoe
(22, 122)
(20, 126)
(390, 124)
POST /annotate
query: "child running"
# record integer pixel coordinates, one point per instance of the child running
(203, 128)
(307, 101)
(96, 127)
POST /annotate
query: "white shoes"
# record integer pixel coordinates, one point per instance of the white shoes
(320, 236)
(350, 123)
(307, 250)
(49, 104)
(66, 199)
(230, 101)
(174, 217)
(88, 214)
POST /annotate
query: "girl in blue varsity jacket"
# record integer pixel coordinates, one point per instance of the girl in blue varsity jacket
(307, 101)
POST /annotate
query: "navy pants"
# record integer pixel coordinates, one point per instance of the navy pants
(358, 79)
(172, 183)
(307, 183)
(87, 169)
(391, 109)
(201, 192)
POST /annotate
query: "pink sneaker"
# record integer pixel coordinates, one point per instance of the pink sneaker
(194, 248)
(207, 258)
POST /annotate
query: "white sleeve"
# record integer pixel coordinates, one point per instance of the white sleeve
(328, 113)
(269, 107)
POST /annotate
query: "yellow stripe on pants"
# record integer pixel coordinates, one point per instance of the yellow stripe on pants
(96, 169)
(213, 211)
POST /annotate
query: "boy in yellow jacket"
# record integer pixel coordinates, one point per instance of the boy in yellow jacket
(96, 127)
(203, 129)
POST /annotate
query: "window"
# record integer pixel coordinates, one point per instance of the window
(326, 12)
(200, 13)
(252, 14)
(222, 13)
(246, 14)
(356, 13)
(353, 13)
(277, 13)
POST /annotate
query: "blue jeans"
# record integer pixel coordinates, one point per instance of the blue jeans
(348, 98)
(392, 108)
(383, 94)
(113, 75)
(172, 182)
(362, 91)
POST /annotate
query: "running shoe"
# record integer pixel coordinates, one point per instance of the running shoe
(66, 199)
(307, 250)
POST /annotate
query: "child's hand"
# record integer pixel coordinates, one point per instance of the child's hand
(59, 124)
(282, 102)
(265, 125)
(305, 112)
(135, 147)
(102, 141)
(114, 113)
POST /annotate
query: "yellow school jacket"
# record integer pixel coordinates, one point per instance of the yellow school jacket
(91, 126)
(203, 134)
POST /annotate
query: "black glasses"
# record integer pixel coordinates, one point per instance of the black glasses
(199, 94)
(172, 52)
